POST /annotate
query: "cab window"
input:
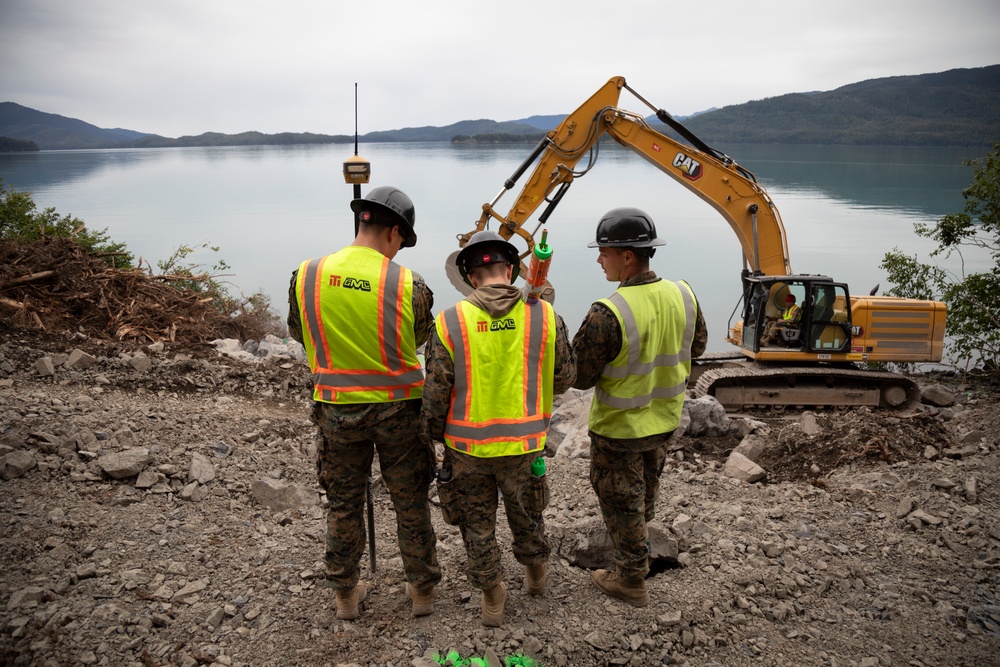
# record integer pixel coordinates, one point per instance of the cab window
(830, 327)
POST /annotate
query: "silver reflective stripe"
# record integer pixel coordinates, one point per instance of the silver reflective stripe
(899, 315)
(535, 317)
(631, 334)
(388, 300)
(689, 317)
(515, 431)
(460, 402)
(923, 326)
(634, 366)
(638, 401)
(336, 380)
(309, 290)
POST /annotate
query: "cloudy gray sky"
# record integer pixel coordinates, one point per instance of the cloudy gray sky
(180, 67)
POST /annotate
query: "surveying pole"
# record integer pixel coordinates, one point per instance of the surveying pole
(357, 171)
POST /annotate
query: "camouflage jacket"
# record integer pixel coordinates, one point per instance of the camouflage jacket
(440, 379)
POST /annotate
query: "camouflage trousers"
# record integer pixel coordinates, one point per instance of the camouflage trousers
(349, 436)
(627, 484)
(477, 484)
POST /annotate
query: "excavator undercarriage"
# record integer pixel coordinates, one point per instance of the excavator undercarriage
(741, 384)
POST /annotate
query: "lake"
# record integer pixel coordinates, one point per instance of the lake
(268, 208)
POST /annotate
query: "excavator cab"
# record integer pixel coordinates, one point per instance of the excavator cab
(821, 325)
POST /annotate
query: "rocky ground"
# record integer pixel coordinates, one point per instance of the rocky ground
(159, 507)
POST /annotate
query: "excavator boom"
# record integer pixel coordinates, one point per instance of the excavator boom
(729, 188)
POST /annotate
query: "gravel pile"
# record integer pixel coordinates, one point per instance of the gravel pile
(160, 507)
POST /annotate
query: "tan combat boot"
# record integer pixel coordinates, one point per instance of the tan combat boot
(493, 602)
(348, 601)
(423, 604)
(535, 577)
(633, 591)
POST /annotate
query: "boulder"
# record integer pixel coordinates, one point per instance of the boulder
(17, 463)
(129, 463)
(937, 395)
(741, 468)
(708, 417)
(279, 496)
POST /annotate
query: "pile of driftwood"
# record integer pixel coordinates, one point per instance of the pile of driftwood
(53, 284)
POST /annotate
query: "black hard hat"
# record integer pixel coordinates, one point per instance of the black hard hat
(626, 227)
(486, 248)
(386, 205)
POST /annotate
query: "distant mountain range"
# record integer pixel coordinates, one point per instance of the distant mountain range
(959, 107)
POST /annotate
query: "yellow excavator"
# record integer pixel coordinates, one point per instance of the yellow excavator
(811, 362)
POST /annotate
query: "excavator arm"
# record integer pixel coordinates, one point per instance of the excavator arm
(732, 190)
(725, 186)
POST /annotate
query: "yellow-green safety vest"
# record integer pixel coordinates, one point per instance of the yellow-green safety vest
(502, 400)
(356, 307)
(641, 392)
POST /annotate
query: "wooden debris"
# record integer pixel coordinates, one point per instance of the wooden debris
(55, 285)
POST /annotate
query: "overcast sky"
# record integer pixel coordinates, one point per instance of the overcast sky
(183, 67)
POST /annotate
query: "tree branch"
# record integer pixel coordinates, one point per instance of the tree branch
(26, 279)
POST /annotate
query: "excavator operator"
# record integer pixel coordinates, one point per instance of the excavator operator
(790, 319)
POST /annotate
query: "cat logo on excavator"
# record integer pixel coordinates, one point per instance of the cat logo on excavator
(689, 166)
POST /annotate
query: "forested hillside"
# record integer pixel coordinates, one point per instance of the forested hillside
(242, 139)
(51, 131)
(955, 108)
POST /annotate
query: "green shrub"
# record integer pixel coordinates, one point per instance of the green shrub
(973, 300)
(20, 220)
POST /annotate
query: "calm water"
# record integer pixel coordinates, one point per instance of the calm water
(268, 208)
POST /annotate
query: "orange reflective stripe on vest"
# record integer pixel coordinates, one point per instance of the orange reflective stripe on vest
(371, 362)
(508, 417)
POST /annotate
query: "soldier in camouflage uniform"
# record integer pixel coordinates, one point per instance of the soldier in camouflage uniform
(639, 381)
(493, 365)
(368, 397)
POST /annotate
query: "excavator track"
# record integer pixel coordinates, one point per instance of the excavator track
(745, 386)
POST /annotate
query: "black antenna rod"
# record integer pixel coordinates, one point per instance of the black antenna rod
(357, 170)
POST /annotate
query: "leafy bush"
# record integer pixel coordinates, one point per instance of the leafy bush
(973, 300)
(20, 220)
(253, 315)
